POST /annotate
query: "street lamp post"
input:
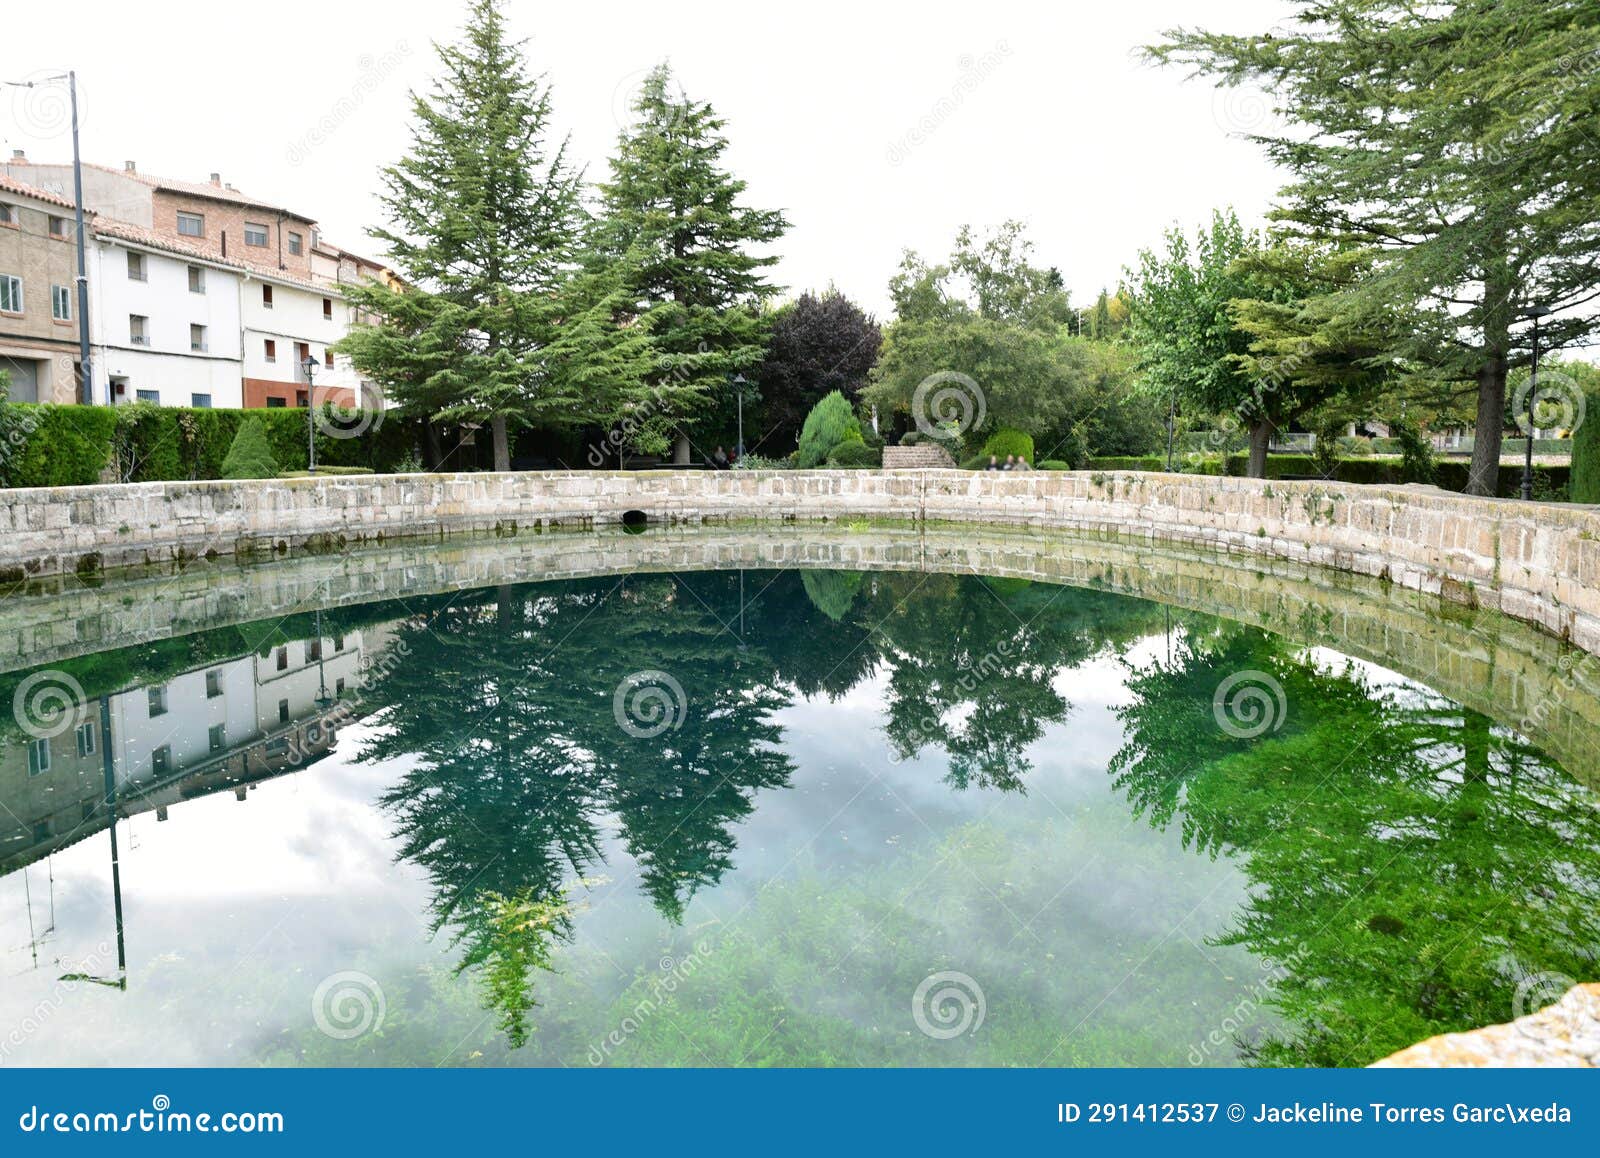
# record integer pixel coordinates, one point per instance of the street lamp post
(85, 375)
(310, 367)
(739, 384)
(1172, 422)
(1535, 312)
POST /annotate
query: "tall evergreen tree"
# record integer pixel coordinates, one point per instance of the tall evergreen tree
(485, 223)
(1456, 138)
(673, 224)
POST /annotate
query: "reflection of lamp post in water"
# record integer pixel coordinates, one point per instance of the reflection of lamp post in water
(109, 765)
(324, 700)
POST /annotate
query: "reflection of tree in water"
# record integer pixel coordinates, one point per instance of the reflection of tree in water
(1410, 861)
(506, 710)
(505, 706)
(972, 662)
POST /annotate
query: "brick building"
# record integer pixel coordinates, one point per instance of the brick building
(287, 279)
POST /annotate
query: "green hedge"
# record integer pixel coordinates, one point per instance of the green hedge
(72, 445)
(1548, 480)
(1007, 442)
(855, 454)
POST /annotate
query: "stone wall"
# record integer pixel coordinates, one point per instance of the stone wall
(1508, 671)
(1535, 562)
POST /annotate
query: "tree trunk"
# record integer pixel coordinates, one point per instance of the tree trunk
(1483, 478)
(502, 443)
(1260, 435)
(432, 452)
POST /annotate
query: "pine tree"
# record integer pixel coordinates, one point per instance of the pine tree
(672, 224)
(485, 217)
(1456, 139)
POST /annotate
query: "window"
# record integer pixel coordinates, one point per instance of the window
(283, 711)
(10, 294)
(338, 643)
(296, 243)
(302, 399)
(59, 227)
(200, 401)
(197, 338)
(255, 235)
(266, 296)
(283, 659)
(138, 329)
(327, 308)
(86, 739)
(213, 683)
(158, 700)
(313, 650)
(8, 215)
(327, 359)
(136, 266)
(61, 303)
(38, 757)
(302, 354)
(191, 225)
(197, 280)
(161, 760)
(270, 349)
(218, 737)
(338, 687)
(276, 403)
(148, 396)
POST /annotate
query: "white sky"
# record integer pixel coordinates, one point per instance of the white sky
(1049, 116)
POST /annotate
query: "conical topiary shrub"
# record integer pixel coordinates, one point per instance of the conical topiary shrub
(830, 422)
(250, 456)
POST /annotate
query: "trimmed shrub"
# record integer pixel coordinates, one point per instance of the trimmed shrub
(830, 422)
(832, 592)
(55, 445)
(855, 454)
(250, 456)
(976, 462)
(911, 438)
(1053, 464)
(64, 446)
(1010, 442)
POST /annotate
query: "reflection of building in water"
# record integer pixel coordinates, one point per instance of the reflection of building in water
(225, 725)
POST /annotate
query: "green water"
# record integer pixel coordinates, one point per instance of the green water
(743, 818)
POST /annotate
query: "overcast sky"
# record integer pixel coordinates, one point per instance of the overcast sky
(875, 126)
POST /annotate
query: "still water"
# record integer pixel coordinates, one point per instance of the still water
(769, 817)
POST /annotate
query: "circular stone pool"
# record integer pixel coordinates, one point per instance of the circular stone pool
(805, 797)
